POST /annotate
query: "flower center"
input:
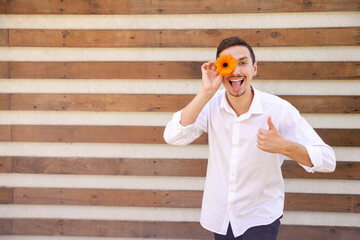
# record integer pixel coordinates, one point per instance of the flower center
(225, 65)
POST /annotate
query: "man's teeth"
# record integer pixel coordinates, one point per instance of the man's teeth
(236, 80)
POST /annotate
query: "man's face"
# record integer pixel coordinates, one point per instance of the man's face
(238, 83)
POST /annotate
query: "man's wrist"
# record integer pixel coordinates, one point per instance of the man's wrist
(206, 93)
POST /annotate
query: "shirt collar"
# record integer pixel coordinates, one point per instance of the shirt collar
(255, 107)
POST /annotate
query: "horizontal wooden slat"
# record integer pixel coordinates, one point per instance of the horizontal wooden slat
(182, 38)
(174, 6)
(340, 137)
(175, 198)
(99, 102)
(101, 197)
(151, 167)
(105, 70)
(109, 166)
(6, 195)
(138, 229)
(136, 134)
(4, 101)
(322, 202)
(4, 38)
(178, 70)
(94, 134)
(325, 104)
(159, 103)
(298, 232)
(101, 228)
(344, 170)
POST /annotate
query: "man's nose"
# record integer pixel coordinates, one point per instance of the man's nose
(236, 71)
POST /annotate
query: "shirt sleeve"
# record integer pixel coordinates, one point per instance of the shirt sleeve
(177, 134)
(295, 128)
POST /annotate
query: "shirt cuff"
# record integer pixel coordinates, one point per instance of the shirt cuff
(315, 157)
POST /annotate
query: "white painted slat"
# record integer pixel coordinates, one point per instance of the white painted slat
(163, 183)
(172, 86)
(100, 213)
(305, 87)
(130, 150)
(333, 53)
(184, 21)
(321, 219)
(341, 121)
(102, 150)
(162, 214)
(87, 118)
(101, 182)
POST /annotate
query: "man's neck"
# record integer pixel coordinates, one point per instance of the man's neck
(241, 104)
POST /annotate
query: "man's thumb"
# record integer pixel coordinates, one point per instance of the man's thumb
(271, 125)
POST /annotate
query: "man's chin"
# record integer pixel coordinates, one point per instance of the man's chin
(238, 94)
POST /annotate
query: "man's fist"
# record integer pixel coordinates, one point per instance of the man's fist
(270, 140)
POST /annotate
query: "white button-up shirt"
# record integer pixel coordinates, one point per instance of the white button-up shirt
(244, 185)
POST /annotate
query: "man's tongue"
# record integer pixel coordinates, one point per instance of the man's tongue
(236, 86)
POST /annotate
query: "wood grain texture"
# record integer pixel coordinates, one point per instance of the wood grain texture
(322, 202)
(324, 104)
(131, 134)
(102, 197)
(174, 6)
(4, 37)
(158, 102)
(344, 170)
(340, 137)
(171, 198)
(90, 134)
(5, 133)
(151, 167)
(99, 102)
(177, 70)
(298, 232)
(4, 70)
(139, 229)
(347, 36)
(6, 226)
(6, 164)
(101, 228)
(4, 102)
(6, 195)
(108, 166)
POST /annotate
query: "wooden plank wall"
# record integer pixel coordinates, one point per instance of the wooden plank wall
(86, 88)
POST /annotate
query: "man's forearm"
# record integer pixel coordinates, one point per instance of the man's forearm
(297, 152)
(190, 113)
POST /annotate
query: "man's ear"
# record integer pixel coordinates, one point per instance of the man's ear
(255, 69)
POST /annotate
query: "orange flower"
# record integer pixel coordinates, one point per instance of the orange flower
(225, 65)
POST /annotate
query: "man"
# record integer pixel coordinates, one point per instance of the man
(249, 134)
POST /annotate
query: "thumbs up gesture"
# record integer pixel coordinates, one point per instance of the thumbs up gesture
(270, 140)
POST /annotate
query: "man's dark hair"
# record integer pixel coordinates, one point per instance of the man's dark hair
(234, 41)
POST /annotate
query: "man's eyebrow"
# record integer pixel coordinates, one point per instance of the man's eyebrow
(239, 59)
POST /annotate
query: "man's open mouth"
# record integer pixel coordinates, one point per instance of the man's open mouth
(236, 83)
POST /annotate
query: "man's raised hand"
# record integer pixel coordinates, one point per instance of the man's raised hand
(211, 79)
